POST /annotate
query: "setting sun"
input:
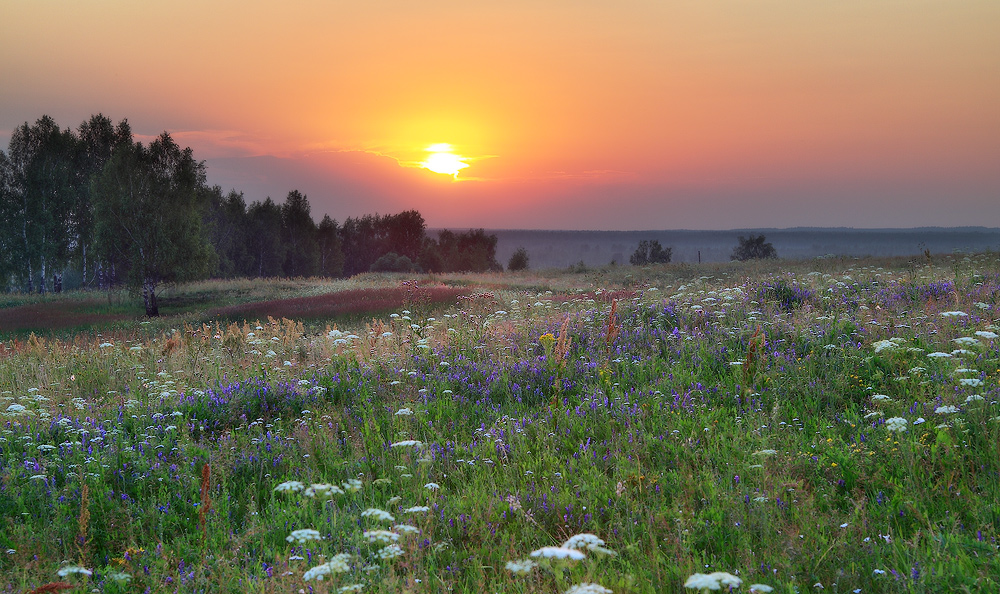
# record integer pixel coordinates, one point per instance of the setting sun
(442, 160)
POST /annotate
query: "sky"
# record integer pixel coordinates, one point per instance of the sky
(583, 114)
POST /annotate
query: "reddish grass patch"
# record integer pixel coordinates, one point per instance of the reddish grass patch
(355, 302)
(54, 316)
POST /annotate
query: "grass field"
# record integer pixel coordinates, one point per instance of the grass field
(826, 425)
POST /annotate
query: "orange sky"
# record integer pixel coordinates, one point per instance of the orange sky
(582, 114)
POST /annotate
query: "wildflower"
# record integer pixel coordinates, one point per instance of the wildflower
(919, 421)
(974, 382)
(74, 570)
(16, 409)
(340, 563)
(558, 553)
(317, 573)
(377, 514)
(946, 410)
(761, 588)
(987, 334)
(322, 489)
(939, 355)
(352, 485)
(970, 399)
(765, 452)
(303, 536)
(880, 397)
(713, 581)
(416, 509)
(587, 541)
(407, 443)
(522, 567)
(897, 424)
(588, 588)
(289, 486)
(406, 412)
(432, 486)
(405, 529)
(879, 346)
(390, 552)
(954, 314)
(380, 536)
(351, 588)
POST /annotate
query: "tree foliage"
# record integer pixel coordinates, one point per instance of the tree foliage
(148, 207)
(753, 247)
(116, 212)
(518, 260)
(651, 252)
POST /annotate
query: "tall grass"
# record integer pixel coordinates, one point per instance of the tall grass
(789, 426)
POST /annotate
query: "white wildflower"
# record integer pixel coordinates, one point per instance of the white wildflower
(589, 542)
(588, 588)
(74, 570)
(939, 355)
(761, 588)
(970, 399)
(558, 553)
(987, 334)
(292, 486)
(432, 486)
(897, 424)
(377, 514)
(317, 573)
(954, 314)
(351, 588)
(407, 443)
(974, 382)
(522, 567)
(405, 412)
(352, 485)
(380, 536)
(390, 552)
(416, 509)
(303, 536)
(946, 410)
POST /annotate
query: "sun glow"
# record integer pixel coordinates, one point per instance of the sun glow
(442, 160)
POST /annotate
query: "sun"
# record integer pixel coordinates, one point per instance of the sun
(442, 160)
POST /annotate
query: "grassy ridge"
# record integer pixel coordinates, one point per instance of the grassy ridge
(826, 422)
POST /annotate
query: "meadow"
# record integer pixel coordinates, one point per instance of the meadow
(787, 426)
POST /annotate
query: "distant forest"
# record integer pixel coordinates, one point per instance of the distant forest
(95, 208)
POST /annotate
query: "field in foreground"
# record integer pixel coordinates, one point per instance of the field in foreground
(816, 425)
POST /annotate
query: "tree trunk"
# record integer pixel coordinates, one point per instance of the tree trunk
(149, 298)
(57, 283)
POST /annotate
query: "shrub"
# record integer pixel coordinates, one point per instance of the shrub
(753, 248)
(518, 260)
(392, 262)
(651, 252)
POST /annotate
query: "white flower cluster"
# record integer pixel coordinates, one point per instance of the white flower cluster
(522, 567)
(378, 514)
(339, 564)
(303, 536)
(380, 536)
(897, 424)
(589, 542)
(558, 553)
(589, 588)
(713, 581)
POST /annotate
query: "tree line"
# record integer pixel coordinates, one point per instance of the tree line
(96, 205)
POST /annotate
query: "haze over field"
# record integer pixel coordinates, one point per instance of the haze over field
(546, 115)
